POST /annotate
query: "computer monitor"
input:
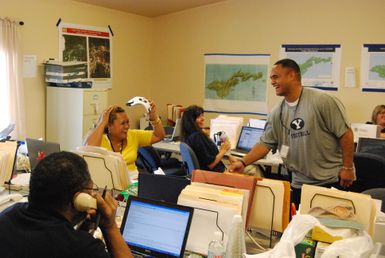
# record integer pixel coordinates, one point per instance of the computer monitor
(156, 228)
(371, 145)
(160, 187)
(248, 137)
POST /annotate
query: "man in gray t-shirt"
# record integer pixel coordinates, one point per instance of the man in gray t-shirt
(310, 129)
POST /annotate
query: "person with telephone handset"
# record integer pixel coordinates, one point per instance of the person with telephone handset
(61, 195)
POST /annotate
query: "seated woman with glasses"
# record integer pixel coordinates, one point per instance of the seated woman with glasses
(378, 118)
(209, 157)
(113, 133)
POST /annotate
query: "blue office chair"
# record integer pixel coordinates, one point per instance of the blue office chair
(151, 161)
(189, 158)
(370, 172)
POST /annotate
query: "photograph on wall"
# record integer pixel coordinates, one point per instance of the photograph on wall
(236, 83)
(80, 43)
(373, 67)
(319, 64)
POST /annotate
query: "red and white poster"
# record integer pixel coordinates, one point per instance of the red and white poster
(88, 44)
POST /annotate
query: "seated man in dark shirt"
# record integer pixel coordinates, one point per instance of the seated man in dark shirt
(44, 227)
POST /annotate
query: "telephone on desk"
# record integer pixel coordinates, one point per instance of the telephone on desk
(10, 197)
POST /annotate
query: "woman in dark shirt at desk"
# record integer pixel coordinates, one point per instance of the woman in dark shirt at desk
(207, 152)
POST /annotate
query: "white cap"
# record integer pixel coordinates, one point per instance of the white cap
(217, 235)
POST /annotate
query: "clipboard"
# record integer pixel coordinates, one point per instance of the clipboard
(363, 205)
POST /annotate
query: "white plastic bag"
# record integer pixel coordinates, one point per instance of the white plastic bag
(354, 247)
(297, 229)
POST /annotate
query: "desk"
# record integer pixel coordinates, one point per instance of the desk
(271, 164)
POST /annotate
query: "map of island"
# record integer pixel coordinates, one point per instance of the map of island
(379, 70)
(223, 87)
(235, 82)
(314, 60)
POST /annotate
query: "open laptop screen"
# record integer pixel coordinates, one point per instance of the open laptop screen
(248, 137)
(156, 228)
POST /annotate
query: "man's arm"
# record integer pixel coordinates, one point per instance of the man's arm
(347, 173)
(257, 152)
(116, 245)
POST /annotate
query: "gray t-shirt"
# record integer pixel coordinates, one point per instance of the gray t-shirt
(311, 129)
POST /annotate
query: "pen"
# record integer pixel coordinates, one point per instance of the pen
(98, 214)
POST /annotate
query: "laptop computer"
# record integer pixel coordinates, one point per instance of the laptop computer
(176, 133)
(248, 137)
(38, 149)
(154, 228)
(160, 187)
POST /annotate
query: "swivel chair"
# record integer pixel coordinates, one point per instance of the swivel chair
(189, 158)
(151, 161)
(370, 172)
(379, 194)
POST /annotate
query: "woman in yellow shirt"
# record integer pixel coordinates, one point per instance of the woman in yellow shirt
(113, 132)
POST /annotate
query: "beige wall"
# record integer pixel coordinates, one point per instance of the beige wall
(131, 49)
(163, 57)
(261, 26)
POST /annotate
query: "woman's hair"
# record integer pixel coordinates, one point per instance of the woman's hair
(378, 109)
(189, 116)
(112, 116)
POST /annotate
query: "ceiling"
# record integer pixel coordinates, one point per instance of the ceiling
(149, 8)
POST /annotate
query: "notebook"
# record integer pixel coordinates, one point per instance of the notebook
(160, 187)
(248, 137)
(154, 228)
(176, 133)
(38, 149)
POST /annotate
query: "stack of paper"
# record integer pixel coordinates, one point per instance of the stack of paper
(106, 167)
(257, 123)
(228, 124)
(215, 207)
(7, 158)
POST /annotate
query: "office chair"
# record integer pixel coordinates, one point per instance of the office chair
(370, 172)
(151, 161)
(189, 158)
(377, 193)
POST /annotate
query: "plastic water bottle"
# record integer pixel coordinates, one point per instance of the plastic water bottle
(236, 244)
(216, 247)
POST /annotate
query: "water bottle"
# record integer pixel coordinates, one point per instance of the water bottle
(236, 244)
(216, 247)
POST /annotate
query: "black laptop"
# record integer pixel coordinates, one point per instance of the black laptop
(248, 137)
(160, 187)
(156, 229)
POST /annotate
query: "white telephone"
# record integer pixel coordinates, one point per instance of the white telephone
(84, 201)
(10, 197)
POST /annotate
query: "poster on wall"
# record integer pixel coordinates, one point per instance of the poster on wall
(88, 44)
(373, 67)
(319, 64)
(236, 83)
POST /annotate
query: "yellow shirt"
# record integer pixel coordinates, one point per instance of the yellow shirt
(135, 139)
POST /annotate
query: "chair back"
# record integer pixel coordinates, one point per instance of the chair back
(189, 158)
(150, 158)
(377, 193)
(370, 172)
